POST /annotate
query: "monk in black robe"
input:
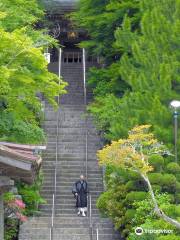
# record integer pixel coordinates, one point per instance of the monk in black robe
(80, 191)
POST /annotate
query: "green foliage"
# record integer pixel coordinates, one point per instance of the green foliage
(156, 178)
(169, 180)
(8, 196)
(106, 81)
(20, 13)
(173, 168)
(100, 19)
(11, 228)
(152, 76)
(103, 201)
(131, 185)
(169, 237)
(130, 214)
(23, 71)
(144, 217)
(31, 195)
(135, 196)
(12, 129)
(157, 161)
(165, 180)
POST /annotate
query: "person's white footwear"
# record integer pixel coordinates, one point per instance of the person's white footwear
(83, 214)
(79, 212)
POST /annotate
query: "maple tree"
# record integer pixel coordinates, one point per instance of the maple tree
(23, 72)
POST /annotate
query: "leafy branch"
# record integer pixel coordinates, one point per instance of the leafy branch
(133, 154)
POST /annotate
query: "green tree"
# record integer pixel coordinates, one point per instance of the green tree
(149, 66)
(101, 19)
(23, 71)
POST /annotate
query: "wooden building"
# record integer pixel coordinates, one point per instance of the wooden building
(17, 162)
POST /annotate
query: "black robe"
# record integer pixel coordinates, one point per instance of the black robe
(81, 188)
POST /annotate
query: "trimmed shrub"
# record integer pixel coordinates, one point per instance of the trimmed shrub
(156, 161)
(103, 201)
(173, 168)
(156, 187)
(156, 178)
(130, 214)
(177, 186)
(134, 176)
(135, 196)
(169, 180)
(130, 185)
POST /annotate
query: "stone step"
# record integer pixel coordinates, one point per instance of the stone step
(70, 110)
(62, 202)
(43, 236)
(66, 220)
(60, 211)
(66, 190)
(66, 193)
(72, 145)
(75, 139)
(78, 167)
(71, 180)
(64, 178)
(59, 204)
(66, 106)
(68, 164)
(74, 229)
(67, 160)
(68, 185)
(108, 227)
(92, 166)
(71, 155)
(72, 132)
(67, 169)
(68, 196)
(79, 130)
(77, 146)
(64, 122)
(62, 231)
(70, 168)
(68, 237)
(69, 215)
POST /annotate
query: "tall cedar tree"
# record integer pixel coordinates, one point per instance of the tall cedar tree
(100, 19)
(150, 66)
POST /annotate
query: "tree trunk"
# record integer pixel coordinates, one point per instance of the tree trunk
(157, 210)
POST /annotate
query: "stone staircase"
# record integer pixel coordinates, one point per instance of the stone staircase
(70, 164)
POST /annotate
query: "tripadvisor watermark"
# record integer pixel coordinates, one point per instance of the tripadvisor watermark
(140, 231)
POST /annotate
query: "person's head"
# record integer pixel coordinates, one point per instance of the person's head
(81, 177)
